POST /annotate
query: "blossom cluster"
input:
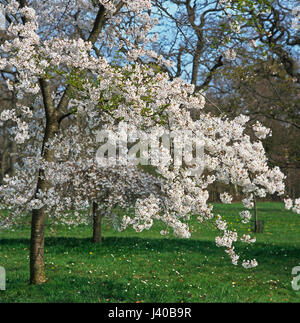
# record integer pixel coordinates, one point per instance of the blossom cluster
(292, 205)
(101, 94)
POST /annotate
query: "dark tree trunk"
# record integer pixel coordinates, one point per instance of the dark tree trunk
(255, 216)
(97, 224)
(258, 225)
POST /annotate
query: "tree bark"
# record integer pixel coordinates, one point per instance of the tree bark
(37, 263)
(256, 224)
(4, 161)
(97, 224)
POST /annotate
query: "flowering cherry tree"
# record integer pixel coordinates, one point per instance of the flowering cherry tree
(66, 65)
(40, 52)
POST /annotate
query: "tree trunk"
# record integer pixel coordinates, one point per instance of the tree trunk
(3, 166)
(97, 224)
(37, 241)
(258, 225)
(37, 263)
(255, 216)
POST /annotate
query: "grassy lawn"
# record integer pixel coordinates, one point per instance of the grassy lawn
(146, 267)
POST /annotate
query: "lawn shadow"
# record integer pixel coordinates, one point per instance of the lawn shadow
(70, 286)
(143, 245)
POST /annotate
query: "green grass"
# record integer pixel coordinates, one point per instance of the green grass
(146, 267)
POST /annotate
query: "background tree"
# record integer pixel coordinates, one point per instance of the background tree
(245, 55)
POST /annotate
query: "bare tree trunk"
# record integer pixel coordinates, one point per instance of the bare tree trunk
(97, 224)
